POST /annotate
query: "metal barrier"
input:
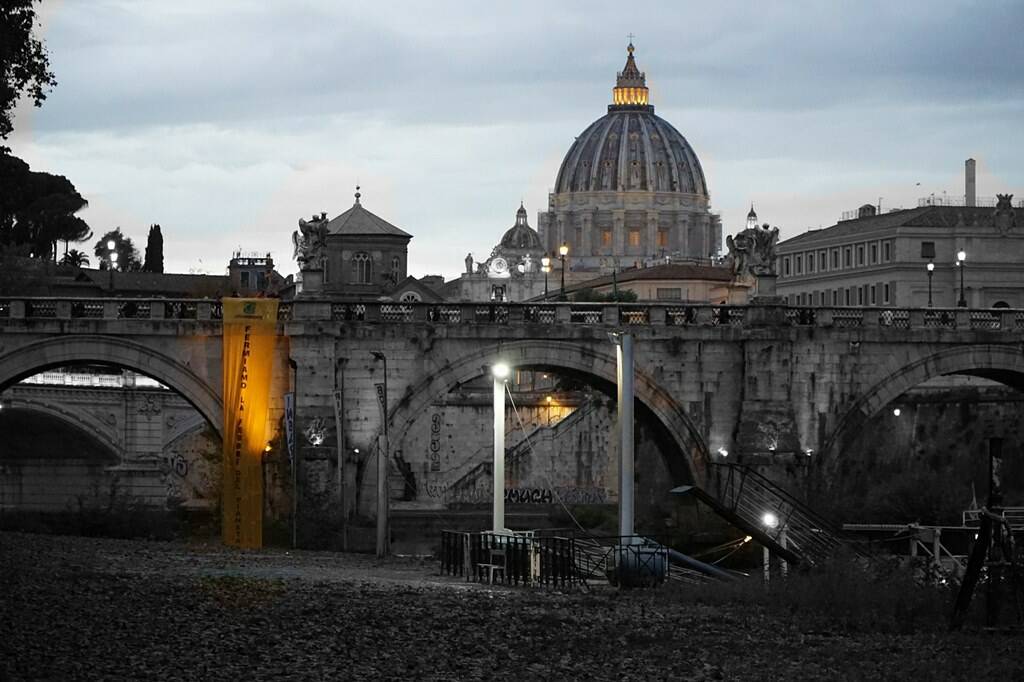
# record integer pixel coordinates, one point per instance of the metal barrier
(525, 559)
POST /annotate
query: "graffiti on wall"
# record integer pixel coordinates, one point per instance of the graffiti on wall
(434, 455)
(518, 495)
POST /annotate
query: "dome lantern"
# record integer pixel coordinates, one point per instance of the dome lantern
(630, 85)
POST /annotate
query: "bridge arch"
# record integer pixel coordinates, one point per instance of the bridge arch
(581, 359)
(80, 419)
(997, 362)
(76, 348)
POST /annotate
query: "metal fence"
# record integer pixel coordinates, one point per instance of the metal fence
(524, 559)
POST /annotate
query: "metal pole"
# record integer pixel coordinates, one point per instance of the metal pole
(499, 455)
(624, 355)
(930, 273)
(339, 430)
(295, 459)
(382, 476)
(963, 300)
(562, 291)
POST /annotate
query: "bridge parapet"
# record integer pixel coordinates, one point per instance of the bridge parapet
(72, 308)
(659, 315)
(541, 313)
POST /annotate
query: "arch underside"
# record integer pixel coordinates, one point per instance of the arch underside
(112, 350)
(595, 367)
(1001, 363)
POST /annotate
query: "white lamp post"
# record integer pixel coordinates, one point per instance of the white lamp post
(961, 262)
(500, 371)
(624, 428)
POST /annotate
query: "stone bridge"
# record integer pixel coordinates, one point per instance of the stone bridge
(771, 384)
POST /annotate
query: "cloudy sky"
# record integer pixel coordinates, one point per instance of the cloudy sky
(227, 121)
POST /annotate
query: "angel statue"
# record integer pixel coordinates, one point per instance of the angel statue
(309, 241)
(753, 251)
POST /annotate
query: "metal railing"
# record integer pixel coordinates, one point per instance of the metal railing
(754, 497)
(524, 559)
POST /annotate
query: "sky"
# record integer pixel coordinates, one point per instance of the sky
(225, 122)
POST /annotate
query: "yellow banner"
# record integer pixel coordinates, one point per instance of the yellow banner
(249, 337)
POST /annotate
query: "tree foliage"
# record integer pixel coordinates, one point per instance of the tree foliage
(24, 63)
(38, 209)
(75, 258)
(154, 261)
(127, 254)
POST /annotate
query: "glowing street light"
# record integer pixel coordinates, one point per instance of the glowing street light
(545, 266)
(895, 411)
(723, 452)
(961, 262)
(931, 273)
(563, 253)
(770, 520)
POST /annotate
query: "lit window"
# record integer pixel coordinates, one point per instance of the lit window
(662, 239)
(362, 268)
(634, 237)
(606, 238)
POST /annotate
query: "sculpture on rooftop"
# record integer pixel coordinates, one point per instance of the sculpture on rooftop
(309, 241)
(753, 251)
(1005, 218)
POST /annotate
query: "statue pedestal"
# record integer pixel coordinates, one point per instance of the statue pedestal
(312, 282)
(764, 289)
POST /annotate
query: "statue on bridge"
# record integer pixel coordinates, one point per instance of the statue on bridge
(309, 241)
(753, 251)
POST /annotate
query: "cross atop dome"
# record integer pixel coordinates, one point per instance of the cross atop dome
(630, 83)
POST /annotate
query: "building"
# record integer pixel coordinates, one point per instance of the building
(875, 259)
(630, 190)
(364, 256)
(669, 282)
(511, 273)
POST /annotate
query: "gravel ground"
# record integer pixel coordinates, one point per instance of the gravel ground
(82, 608)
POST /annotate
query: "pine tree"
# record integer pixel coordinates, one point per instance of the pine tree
(154, 261)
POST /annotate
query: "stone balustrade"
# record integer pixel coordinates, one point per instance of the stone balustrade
(546, 313)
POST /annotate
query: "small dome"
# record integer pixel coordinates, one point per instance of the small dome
(521, 235)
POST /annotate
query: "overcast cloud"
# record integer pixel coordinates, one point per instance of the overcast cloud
(225, 122)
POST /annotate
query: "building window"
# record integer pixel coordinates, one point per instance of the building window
(860, 255)
(799, 264)
(785, 267)
(634, 237)
(860, 295)
(885, 293)
(578, 238)
(874, 254)
(886, 251)
(847, 257)
(822, 261)
(672, 294)
(396, 269)
(927, 249)
(835, 259)
(606, 237)
(847, 293)
(810, 262)
(362, 268)
(244, 279)
(663, 239)
(874, 294)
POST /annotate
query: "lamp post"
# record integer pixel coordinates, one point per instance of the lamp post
(563, 252)
(545, 266)
(961, 262)
(382, 464)
(931, 272)
(112, 257)
(500, 371)
(624, 430)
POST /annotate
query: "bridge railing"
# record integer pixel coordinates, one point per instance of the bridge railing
(531, 313)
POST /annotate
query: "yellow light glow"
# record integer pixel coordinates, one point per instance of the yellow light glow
(548, 399)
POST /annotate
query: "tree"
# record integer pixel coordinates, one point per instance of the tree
(127, 255)
(154, 261)
(75, 258)
(38, 209)
(24, 63)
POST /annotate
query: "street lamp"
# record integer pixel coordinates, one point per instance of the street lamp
(931, 272)
(112, 257)
(500, 371)
(382, 464)
(545, 266)
(961, 262)
(563, 252)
